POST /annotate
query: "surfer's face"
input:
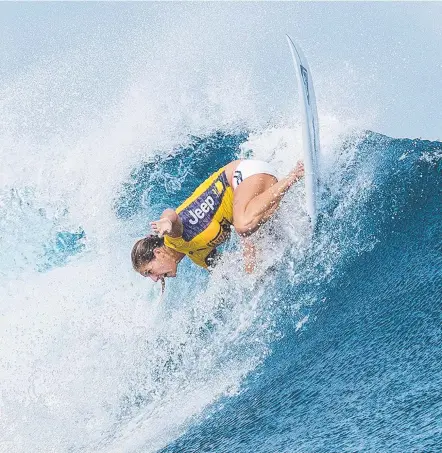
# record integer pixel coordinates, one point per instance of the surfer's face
(161, 266)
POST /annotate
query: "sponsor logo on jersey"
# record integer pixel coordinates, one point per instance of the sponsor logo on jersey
(197, 216)
(199, 213)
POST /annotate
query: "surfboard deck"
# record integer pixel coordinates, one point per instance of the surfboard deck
(310, 130)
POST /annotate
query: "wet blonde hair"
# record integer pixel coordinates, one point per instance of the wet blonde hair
(143, 250)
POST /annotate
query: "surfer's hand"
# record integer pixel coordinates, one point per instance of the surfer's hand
(161, 227)
(298, 172)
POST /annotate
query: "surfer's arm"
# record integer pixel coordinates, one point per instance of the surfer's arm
(169, 224)
(278, 190)
(249, 254)
(281, 187)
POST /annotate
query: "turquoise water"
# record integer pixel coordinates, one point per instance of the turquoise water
(113, 112)
(343, 340)
(363, 374)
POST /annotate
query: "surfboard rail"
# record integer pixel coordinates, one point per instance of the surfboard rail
(310, 129)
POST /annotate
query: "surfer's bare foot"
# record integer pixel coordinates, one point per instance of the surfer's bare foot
(297, 173)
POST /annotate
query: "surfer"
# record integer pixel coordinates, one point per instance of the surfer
(244, 193)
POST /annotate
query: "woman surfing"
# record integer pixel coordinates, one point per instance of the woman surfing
(243, 194)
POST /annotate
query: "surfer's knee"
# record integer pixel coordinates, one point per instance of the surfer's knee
(244, 227)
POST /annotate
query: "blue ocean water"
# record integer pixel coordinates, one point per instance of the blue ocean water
(364, 372)
(336, 347)
(112, 112)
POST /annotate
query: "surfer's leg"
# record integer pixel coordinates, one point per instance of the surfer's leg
(250, 208)
(257, 198)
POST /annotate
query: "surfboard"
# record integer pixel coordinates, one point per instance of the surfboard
(310, 130)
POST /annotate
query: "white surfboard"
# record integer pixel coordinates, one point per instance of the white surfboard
(310, 130)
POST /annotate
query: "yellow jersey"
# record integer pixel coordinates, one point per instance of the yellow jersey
(206, 217)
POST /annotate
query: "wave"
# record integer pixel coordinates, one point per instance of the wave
(89, 349)
(358, 364)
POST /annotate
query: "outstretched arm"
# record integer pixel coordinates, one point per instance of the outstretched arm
(169, 224)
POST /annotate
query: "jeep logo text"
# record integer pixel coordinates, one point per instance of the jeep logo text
(199, 213)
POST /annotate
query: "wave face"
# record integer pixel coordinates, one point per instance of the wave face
(357, 367)
(111, 113)
(334, 344)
